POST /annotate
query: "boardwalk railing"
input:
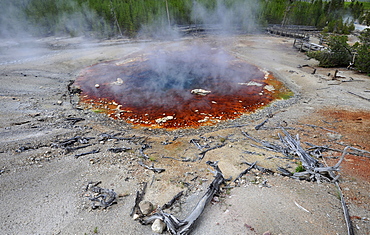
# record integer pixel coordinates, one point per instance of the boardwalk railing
(302, 45)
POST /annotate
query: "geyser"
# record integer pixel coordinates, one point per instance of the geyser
(194, 86)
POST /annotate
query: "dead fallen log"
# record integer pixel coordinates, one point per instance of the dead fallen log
(72, 141)
(203, 153)
(71, 149)
(294, 145)
(172, 201)
(259, 168)
(74, 120)
(152, 168)
(196, 143)
(142, 148)
(244, 172)
(284, 171)
(345, 212)
(314, 126)
(100, 197)
(105, 136)
(266, 145)
(316, 150)
(177, 159)
(314, 170)
(183, 227)
(118, 150)
(359, 96)
(342, 200)
(253, 153)
(87, 153)
(139, 197)
(261, 124)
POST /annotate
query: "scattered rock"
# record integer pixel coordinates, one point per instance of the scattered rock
(334, 136)
(119, 82)
(146, 207)
(158, 226)
(164, 119)
(200, 92)
(97, 85)
(135, 216)
(269, 87)
(251, 83)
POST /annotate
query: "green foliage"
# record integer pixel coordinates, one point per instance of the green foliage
(338, 54)
(362, 59)
(325, 15)
(365, 18)
(299, 168)
(107, 18)
(273, 11)
(339, 27)
(356, 9)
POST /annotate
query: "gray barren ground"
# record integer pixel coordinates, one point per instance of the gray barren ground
(51, 148)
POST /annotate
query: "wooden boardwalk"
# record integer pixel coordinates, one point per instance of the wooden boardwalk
(302, 45)
(301, 35)
(288, 32)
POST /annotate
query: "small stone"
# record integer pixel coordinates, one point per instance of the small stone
(59, 102)
(118, 82)
(269, 87)
(97, 85)
(146, 207)
(200, 92)
(135, 216)
(158, 226)
(164, 119)
(266, 233)
(334, 136)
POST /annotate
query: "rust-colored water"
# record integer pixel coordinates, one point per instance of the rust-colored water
(136, 92)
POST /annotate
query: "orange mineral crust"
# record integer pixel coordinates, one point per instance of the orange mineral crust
(178, 89)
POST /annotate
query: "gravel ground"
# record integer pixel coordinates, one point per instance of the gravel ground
(43, 183)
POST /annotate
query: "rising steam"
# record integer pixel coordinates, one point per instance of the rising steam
(228, 16)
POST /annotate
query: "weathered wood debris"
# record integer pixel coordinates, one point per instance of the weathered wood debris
(100, 197)
(175, 225)
(152, 168)
(313, 169)
(289, 146)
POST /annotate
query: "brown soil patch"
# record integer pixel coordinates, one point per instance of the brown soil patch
(354, 126)
(339, 128)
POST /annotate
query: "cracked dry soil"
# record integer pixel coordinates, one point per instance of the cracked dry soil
(42, 184)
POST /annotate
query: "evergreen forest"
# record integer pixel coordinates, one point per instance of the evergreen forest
(107, 18)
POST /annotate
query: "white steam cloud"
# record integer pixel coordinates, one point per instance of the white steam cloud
(228, 17)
